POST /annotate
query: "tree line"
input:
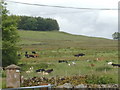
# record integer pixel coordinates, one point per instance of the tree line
(37, 23)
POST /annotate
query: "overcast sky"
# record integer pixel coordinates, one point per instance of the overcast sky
(96, 23)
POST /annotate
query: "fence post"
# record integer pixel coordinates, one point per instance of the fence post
(12, 76)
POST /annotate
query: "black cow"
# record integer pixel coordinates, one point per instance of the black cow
(30, 55)
(61, 61)
(78, 55)
(115, 65)
(33, 52)
(40, 70)
(49, 70)
(26, 54)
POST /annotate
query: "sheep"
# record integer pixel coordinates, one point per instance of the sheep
(88, 60)
(31, 68)
(99, 59)
(73, 63)
(69, 64)
(28, 71)
(45, 73)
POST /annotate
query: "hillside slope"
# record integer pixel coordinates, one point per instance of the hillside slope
(60, 39)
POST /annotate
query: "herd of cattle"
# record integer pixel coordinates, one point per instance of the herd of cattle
(42, 71)
(45, 72)
(48, 71)
(34, 55)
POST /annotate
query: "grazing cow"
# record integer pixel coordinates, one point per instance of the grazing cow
(26, 54)
(36, 55)
(111, 63)
(92, 65)
(49, 70)
(30, 55)
(33, 52)
(40, 70)
(61, 61)
(78, 55)
(115, 64)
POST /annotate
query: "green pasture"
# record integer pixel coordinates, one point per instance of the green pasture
(54, 46)
(39, 40)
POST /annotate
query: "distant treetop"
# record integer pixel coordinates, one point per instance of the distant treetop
(37, 23)
(116, 36)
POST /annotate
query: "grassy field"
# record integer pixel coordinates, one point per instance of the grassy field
(54, 46)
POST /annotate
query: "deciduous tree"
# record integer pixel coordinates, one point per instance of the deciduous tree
(116, 35)
(9, 38)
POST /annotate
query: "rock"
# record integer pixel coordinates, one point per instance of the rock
(103, 86)
(115, 85)
(107, 86)
(81, 86)
(66, 85)
(61, 86)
